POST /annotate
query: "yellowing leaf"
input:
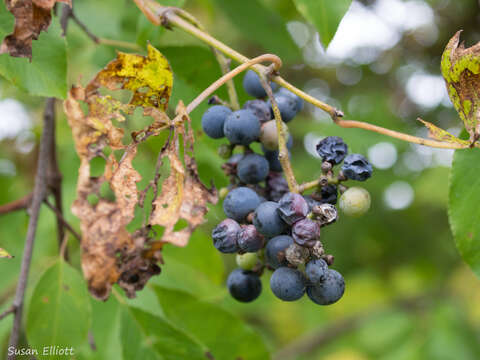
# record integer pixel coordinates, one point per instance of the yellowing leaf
(5, 254)
(461, 71)
(442, 135)
(149, 78)
(183, 196)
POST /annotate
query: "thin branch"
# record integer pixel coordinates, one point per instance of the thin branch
(283, 156)
(120, 43)
(7, 293)
(230, 75)
(68, 13)
(7, 312)
(401, 136)
(54, 179)
(225, 68)
(19, 204)
(64, 222)
(39, 193)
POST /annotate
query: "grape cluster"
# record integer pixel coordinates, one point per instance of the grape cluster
(267, 226)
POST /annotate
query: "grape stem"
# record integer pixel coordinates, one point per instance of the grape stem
(167, 16)
(275, 60)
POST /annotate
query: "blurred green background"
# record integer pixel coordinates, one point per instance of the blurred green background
(408, 294)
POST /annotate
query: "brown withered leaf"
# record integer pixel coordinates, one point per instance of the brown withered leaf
(31, 18)
(183, 195)
(110, 254)
(461, 71)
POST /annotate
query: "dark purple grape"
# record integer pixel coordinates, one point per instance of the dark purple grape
(306, 232)
(299, 101)
(267, 220)
(242, 127)
(225, 236)
(287, 106)
(240, 202)
(357, 167)
(249, 239)
(277, 186)
(275, 251)
(329, 194)
(329, 290)
(287, 284)
(316, 270)
(332, 149)
(253, 86)
(244, 285)
(292, 207)
(213, 120)
(260, 108)
(252, 168)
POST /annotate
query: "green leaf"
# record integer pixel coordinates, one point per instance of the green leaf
(146, 336)
(46, 74)
(59, 312)
(105, 331)
(324, 14)
(463, 209)
(7, 21)
(224, 334)
(257, 23)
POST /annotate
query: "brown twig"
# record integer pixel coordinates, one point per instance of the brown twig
(19, 204)
(7, 312)
(67, 14)
(39, 193)
(54, 179)
(64, 222)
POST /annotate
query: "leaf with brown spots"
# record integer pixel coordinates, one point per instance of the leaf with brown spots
(183, 196)
(110, 254)
(31, 18)
(461, 71)
(442, 135)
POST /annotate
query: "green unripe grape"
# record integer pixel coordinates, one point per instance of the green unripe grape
(223, 193)
(355, 201)
(225, 151)
(247, 261)
(269, 136)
